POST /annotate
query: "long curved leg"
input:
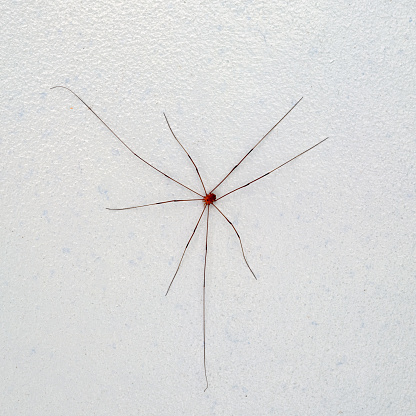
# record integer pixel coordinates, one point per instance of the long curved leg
(238, 164)
(203, 298)
(197, 171)
(155, 203)
(262, 176)
(183, 254)
(123, 142)
(239, 238)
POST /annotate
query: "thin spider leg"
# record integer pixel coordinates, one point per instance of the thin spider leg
(203, 298)
(239, 238)
(197, 171)
(183, 254)
(123, 143)
(238, 164)
(155, 203)
(262, 176)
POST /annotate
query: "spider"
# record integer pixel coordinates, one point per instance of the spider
(208, 198)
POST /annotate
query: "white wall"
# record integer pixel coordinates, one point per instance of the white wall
(328, 328)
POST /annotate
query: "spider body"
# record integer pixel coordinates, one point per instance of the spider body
(209, 198)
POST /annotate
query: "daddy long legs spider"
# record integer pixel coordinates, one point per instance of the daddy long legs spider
(208, 198)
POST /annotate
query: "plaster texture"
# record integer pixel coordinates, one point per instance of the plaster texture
(328, 328)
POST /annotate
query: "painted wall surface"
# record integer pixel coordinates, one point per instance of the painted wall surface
(329, 326)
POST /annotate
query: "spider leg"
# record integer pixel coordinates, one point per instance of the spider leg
(197, 171)
(239, 238)
(238, 164)
(123, 142)
(262, 176)
(203, 298)
(155, 203)
(183, 254)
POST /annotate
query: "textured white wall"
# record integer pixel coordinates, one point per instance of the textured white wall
(328, 328)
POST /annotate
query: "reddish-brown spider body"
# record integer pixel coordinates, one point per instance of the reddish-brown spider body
(209, 198)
